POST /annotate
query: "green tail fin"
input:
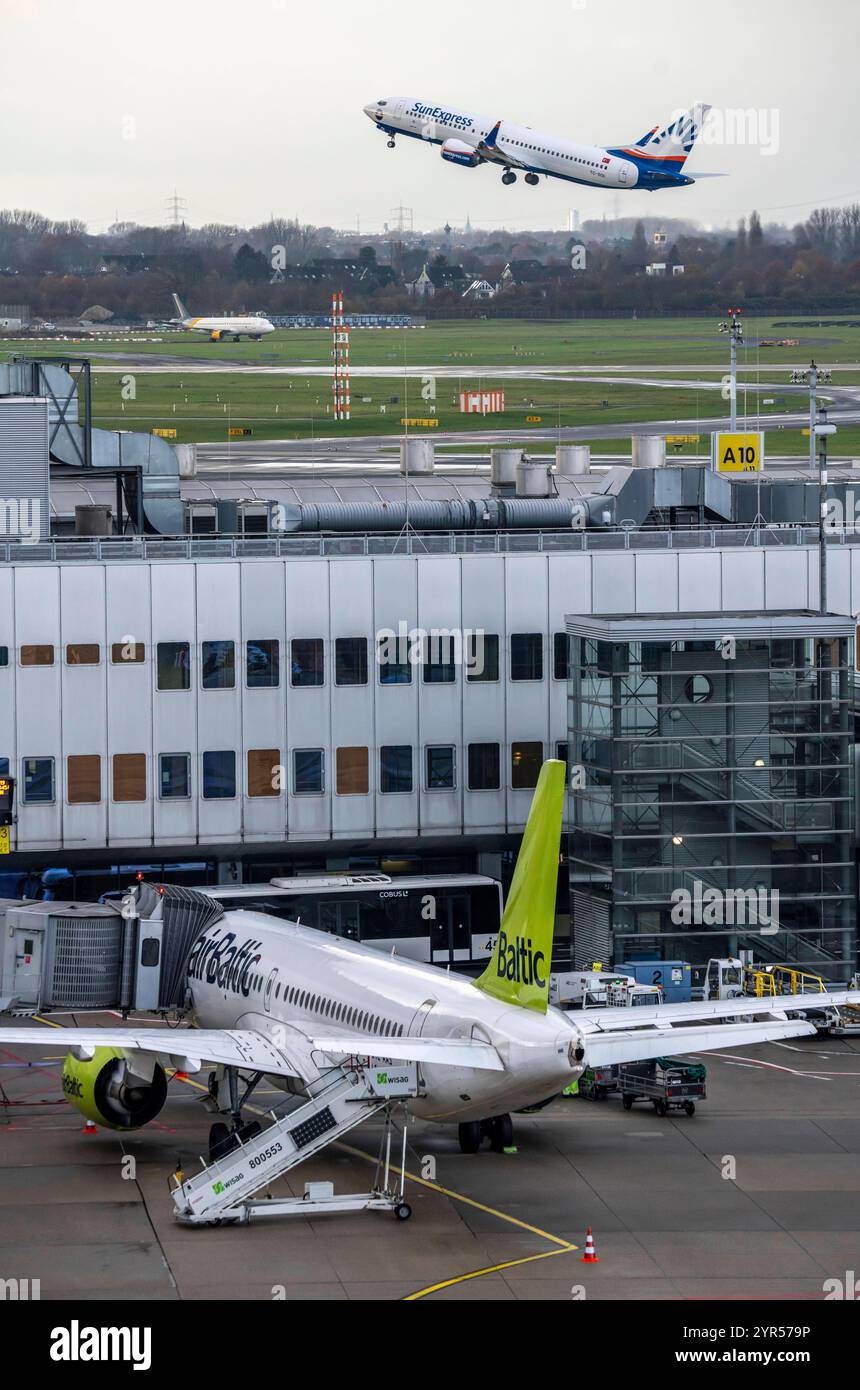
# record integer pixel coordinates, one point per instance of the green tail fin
(519, 970)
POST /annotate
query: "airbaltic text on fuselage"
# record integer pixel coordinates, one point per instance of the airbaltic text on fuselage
(435, 113)
(517, 961)
(218, 960)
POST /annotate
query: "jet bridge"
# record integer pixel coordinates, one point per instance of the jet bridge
(127, 956)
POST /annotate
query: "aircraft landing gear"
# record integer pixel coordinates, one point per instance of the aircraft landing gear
(532, 180)
(391, 143)
(508, 178)
(470, 1136)
(499, 1130)
(223, 1139)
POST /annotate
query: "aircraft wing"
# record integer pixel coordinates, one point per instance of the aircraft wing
(640, 1045)
(609, 1020)
(495, 153)
(186, 1049)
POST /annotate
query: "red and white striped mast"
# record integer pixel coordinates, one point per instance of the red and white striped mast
(340, 358)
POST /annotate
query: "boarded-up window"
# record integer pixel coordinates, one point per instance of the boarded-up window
(264, 772)
(128, 653)
(37, 656)
(352, 772)
(129, 777)
(82, 654)
(84, 779)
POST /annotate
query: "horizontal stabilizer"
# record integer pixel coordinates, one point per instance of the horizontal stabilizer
(445, 1052)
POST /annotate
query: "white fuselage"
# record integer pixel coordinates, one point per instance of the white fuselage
(533, 149)
(255, 975)
(250, 327)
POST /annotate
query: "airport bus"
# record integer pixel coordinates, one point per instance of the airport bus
(441, 920)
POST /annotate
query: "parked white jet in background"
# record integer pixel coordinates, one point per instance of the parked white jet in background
(287, 1002)
(227, 327)
(655, 161)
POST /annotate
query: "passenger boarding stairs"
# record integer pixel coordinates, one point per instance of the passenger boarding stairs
(340, 1099)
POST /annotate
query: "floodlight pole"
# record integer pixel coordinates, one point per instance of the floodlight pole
(734, 375)
(735, 330)
(821, 436)
(813, 414)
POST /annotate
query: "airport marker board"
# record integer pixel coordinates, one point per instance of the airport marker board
(738, 452)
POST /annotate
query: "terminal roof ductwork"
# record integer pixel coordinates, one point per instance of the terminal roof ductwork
(623, 496)
(76, 444)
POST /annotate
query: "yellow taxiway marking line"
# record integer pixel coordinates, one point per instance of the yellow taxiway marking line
(564, 1247)
(468, 1201)
(479, 1273)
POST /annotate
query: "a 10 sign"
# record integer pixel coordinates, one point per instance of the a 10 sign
(738, 453)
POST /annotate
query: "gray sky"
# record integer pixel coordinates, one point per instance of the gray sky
(253, 107)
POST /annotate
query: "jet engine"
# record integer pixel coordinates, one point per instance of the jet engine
(458, 152)
(107, 1089)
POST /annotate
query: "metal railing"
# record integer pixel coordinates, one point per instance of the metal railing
(319, 545)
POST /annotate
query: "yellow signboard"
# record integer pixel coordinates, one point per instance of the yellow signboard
(534, 419)
(738, 453)
(165, 434)
(5, 840)
(682, 438)
(420, 424)
(239, 433)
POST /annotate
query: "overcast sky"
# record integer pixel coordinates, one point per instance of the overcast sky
(252, 107)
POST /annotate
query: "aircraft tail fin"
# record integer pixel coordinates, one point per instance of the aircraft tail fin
(180, 308)
(674, 142)
(519, 970)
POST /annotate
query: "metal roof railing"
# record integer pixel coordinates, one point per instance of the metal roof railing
(302, 545)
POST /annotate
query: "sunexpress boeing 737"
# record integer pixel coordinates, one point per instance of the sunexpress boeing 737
(656, 161)
(285, 1002)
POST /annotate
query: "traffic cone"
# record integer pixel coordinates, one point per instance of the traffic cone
(590, 1257)
(89, 1127)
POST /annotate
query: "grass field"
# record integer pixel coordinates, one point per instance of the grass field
(205, 406)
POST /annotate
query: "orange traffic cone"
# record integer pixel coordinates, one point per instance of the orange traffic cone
(590, 1257)
(89, 1127)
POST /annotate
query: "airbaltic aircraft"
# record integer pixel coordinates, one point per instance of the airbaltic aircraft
(286, 1002)
(655, 161)
(227, 327)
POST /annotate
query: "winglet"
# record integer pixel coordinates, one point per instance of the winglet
(520, 967)
(493, 136)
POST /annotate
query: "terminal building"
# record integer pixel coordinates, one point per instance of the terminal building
(370, 674)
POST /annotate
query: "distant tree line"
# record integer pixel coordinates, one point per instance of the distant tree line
(285, 266)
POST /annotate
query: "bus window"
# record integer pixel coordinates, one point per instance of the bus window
(339, 918)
